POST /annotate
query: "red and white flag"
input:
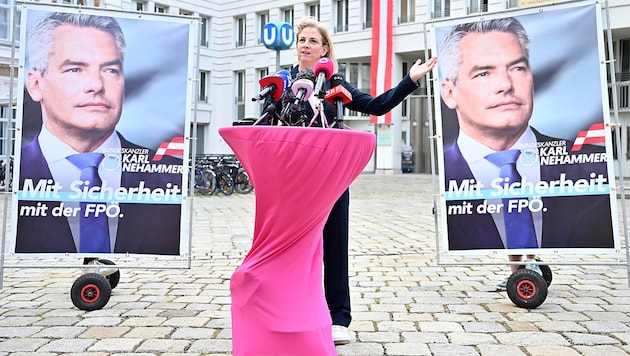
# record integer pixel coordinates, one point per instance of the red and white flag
(174, 147)
(595, 134)
(381, 53)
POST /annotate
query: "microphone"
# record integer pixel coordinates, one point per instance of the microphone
(274, 84)
(302, 87)
(338, 95)
(323, 70)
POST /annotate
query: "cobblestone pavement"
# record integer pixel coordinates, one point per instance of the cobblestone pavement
(407, 299)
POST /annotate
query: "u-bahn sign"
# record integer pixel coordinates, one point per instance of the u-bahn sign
(278, 35)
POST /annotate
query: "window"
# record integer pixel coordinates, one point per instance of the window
(80, 2)
(408, 11)
(263, 19)
(313, 10)
(358, 75)
(6, 26)
(287, 15)
(160, 9)
(367, 17)
(239, 31)
(512, 4)
(341, 15)
(262, 72)
(204, 32)
(477, 6)
(141, 6)
(441, 8)
(624, 60)
(6, 131)
(204, 85)
(239, 80)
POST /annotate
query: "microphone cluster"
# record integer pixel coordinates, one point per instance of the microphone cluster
(292, 95)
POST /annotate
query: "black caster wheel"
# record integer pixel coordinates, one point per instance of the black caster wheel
(546, 272)
(113, 278)
(90, 291)
(527, 288)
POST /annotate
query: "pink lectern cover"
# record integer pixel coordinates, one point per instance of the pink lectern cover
(278, 303)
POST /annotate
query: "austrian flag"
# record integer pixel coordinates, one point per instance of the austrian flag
(595, 134)
(174, 147)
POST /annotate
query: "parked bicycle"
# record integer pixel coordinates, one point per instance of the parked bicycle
(203, 180)
(231, 166)
(6, 174)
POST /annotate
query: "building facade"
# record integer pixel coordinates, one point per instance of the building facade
(232, 58)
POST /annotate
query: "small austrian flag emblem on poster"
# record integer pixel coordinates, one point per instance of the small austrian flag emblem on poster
(174, 147)
(595, 134)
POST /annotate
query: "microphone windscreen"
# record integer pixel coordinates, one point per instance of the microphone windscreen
(336, 79)
(288, 98)
(306, 74)
(286, 80)
(325, 65)
(337, 90)
(303, 87)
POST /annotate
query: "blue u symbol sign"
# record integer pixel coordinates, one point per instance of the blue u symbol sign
(277, 35)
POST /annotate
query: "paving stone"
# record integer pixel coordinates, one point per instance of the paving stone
(407, 349)
(452, 350)
(551, 350)
(67, 345)
(531, 339)
(163, 345)
(116, 345)
(18, 331)
(590, 339)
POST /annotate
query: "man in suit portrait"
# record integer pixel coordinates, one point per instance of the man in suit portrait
(551, 193)
(84, 188)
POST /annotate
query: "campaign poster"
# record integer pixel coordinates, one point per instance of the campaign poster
(524, 154)
(102, 123)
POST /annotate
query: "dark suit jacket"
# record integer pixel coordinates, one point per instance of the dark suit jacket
(143, 228)
(568, 222)
(361, 101)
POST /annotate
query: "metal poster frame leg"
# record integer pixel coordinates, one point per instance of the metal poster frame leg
(617, 132)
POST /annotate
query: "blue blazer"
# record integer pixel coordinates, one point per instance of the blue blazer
(142, 229)
(568, 222)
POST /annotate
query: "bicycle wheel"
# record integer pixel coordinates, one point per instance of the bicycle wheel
(211, 178)
(202, 184)
(242, 184)
(225, 183)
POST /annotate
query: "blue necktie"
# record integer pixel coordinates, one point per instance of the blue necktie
(94, 230)
(519, 225)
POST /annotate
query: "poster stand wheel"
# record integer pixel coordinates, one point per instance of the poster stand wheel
(545, 270)
(112, 274)
(91, 291)
(527, 288)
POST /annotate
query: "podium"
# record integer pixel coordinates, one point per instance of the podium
(278, 303)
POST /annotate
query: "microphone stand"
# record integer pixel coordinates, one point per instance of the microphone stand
(268, 116)
(319, 112)
(339, 120)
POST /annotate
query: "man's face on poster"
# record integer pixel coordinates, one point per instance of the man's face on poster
(493, 95)
(82, 90)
